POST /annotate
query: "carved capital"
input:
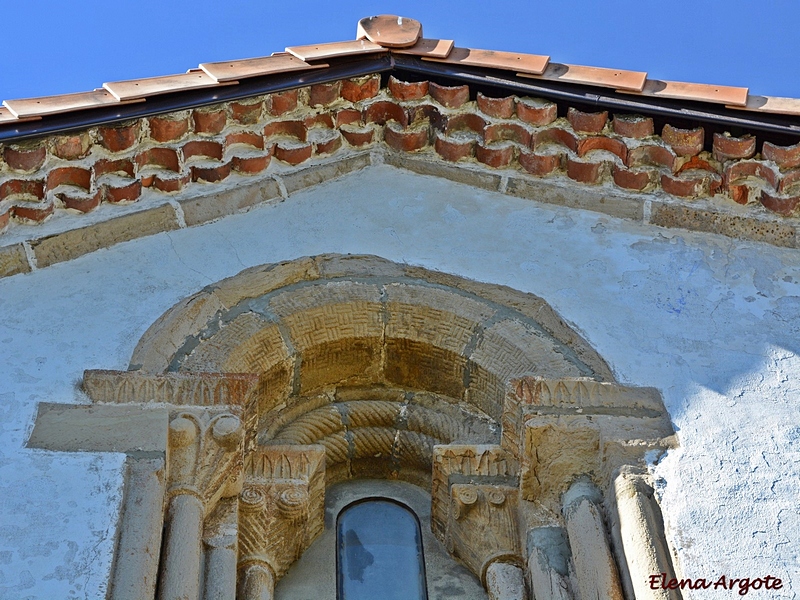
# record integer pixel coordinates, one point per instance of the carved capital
(206, 451)
(457, 461)
(484, 526)
(281, 508)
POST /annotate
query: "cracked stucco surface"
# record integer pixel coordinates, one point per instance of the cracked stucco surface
(710, 321)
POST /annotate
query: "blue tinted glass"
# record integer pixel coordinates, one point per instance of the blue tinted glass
(379, 553)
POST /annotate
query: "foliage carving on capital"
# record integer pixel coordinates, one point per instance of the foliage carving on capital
(206, 450)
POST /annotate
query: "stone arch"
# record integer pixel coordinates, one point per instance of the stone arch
(245, 401)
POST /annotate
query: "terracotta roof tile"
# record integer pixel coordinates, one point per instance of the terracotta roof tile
(232, 70)
(390, 31)
(701, 92)
(133, 89)
(6, 116)
(771, 104)
(508, 61)
(428, 47)
(334, 49)
(613, 78)
(49, 105)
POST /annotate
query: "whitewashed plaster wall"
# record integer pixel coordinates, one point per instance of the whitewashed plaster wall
(713, 322)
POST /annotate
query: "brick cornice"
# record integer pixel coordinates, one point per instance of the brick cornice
(738, 188)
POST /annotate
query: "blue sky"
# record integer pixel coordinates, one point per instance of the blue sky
(55, 47)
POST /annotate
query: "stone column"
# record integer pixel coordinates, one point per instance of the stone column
(180, 567)
(205, 456)
(505, 581)
(139, 544)
(258, 583)
(548, 563)
(641, 534)
(594, 565)
(221, 543)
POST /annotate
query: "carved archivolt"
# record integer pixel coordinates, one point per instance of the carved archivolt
(287, 378)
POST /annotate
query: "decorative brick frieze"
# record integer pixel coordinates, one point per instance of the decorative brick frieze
(174, 152)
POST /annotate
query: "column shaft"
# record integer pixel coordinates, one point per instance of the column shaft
(180, 567)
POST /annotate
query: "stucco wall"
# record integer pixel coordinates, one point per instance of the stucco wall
(710, 321)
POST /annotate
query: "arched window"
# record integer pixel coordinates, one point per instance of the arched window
(379, 552)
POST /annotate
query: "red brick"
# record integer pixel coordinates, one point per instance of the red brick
(513, 132)
(82, 204)
(451, 97)
(787, 157)
(246, 114)
(170, 184)
(789, 181)
(501, 108)
(587, 122)
(120, 137)
(211, 174)
(202, 148)
(296, 129)
(555, 135)
(105, 166)
(775, 203)
(728, 148)
(5, 217)
(251, 164)
(465, 121)
(24, 159)
(383, 111)
(330, 145)
(494, 156)
(251, 138)
(685, 142)
(584, 172)
(33, 212)
(168, 129)
(743, 169)
(536, 112)
(405, 140)
(630, 179)
(281, 103)
(427, 112)
(70, 147)
(357, 136)
(122, 193)
(166, 158)
(652, 155)
(452, 149)
(22, 187)
(695, 162)
(361, 88)
(739, 193)
(321, 120)
(633, 126)
(405, 91)
(77, 176)
(294, 154)
(212, 121)
(685, 187)
(539, 164)
(347, 116)
(612, 145)
(322, 94)
(147, 180)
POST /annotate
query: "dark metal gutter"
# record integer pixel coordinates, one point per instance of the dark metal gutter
(781, 128)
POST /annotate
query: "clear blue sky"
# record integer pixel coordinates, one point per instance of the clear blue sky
(53, 47)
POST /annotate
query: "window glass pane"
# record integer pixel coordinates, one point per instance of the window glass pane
(379, 553)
